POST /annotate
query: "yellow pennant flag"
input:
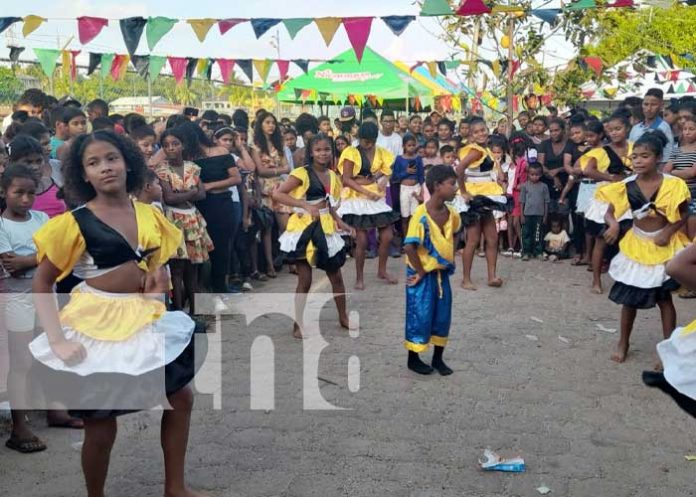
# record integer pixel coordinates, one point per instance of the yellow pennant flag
(263, 66)
(65, 63)
(456, 103)
(31, 24)
(496, 68)
(202, 67)
(380, 101)
(124, 67)
(201, 27)
(359, 99)
(538, 89)
(432, 69)
(328, 27)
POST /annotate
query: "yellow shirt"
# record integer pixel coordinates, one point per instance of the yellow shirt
(300, 220)
(478, 183)
(435, 246)
(382, 164)
(600, 155)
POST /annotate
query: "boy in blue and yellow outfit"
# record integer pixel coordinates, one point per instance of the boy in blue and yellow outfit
(430, 248)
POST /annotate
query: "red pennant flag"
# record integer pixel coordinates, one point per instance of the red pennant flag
(116, 66)
(472, 8)
(588, 93)
(417, 104)
(515, 66)
(594, 63)
(674, 75)
(446, 102)
(351, 99)
(226, 66)
(546, 99)
(226, 24)
(178, 67)
(73, 64)
(358, 30)
(622, 3)
(89, 27)
(283, 66)
(515, 104)
(373, 100)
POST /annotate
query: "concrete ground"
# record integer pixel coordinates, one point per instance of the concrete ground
(532, 378)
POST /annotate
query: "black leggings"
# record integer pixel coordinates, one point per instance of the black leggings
(216, 209)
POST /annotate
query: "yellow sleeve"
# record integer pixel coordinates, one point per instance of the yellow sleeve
(385, 163)
(336, 185)
(416, 230)
(614, 194)
(157, 231)
(301, 174)
(352, 154)
(463, 152)
(456, 220)
(61, 241)
(673, 194)
(602, 161)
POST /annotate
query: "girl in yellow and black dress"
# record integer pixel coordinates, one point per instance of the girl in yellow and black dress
(312, 236)
(479, 195)
(658, 204)
(114, 348)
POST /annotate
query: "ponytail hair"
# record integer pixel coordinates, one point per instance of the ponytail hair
(654, 140)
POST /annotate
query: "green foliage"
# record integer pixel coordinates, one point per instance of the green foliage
(10, 86)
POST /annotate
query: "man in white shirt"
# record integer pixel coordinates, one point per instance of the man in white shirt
(387, 137)
(652, 105)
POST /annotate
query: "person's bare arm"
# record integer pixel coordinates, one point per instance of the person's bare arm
(171, 197)
(464, 163)
(350, 182)
(233, 178)
(683, 267)
(592, 172)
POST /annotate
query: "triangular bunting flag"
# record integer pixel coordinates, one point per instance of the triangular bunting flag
(119, 64)
(246, 67)
(107, 60)
(283, 67)
(226, 66)
(156, 28)
(323, 96)
(123, 68)
(31, 24)
(202, 67)
(262, 66)
(132, 29)
(201, 27)
(89, 27)
(358, 30)
(262, 25)
(178, 67)
(581, 5)
(157, 62)
(65, 63)
(432, 69)
(442, 67)
(621, 3)
(472, 8)
(48, 58)
(398, 24)
(69, 63)
(298, 93)
(94, 61)
(415, 66)
(436, 8)
(6, 22)
(594, 63)
(680, 87)
(141, 64)
(295, 25)
(549, 16)
(302, 64)
(335, 99)
(452, 64)
(670, 89)
(668, 61)
(328, 27)
(691, 88)
(651, 61)
(516, 64)
(226, 24)
(191, 63)
(674, 75)
(15, 53)
(496, 66)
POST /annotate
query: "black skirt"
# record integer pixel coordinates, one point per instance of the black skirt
(642, 298)
(119, 392)
(369, 221)
(481, 207)
(315, 234)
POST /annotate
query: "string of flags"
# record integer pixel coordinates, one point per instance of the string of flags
(357, 28)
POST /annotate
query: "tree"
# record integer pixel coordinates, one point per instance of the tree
(10, 85)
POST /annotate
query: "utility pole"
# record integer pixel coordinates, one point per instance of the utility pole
(510, 68)
(275, 43)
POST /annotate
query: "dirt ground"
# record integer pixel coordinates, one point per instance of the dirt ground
(532, 378)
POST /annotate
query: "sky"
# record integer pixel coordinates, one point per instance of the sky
(420, 41)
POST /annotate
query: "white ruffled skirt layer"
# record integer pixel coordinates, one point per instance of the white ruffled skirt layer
(678, 356)
(288, 242)
(363, 207)
(630, 272)
(586, 193)
(596, 209)
(153, 347)
(460, 204)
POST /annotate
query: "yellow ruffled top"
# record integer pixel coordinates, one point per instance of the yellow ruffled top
(486, 188)
(382, 163)
(298, 220)
(672, 195)
(435, 246)
(99, 315)
(600, 155)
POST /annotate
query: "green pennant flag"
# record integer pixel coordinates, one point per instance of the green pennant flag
(295, 25)
(156, 64)
(107, 61)
(48, 58)
(156, 28)
(452, 64)
(581, 5)
(436, 8)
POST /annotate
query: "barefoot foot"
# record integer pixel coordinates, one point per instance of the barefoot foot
(597, 289)
(359, 285)
(388, 278)
(297, 332)
(468, 285)
(495, 283)
(621, 353)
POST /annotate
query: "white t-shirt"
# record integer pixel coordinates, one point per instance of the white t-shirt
(16, 236)
(394, 143)
(556, 242)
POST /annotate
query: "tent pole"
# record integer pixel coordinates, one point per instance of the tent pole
(511, 34)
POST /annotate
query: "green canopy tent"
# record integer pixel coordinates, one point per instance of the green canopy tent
(333, 81)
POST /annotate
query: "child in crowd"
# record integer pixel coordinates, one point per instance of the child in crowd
(145, 138)
(519, 143)
(682, 164)
(132, 354)
(498, 147)
(432, 154)
(151, 192)
(556, 241)
(18, 255)
(534, 206)
(658, 204)
(75, 124)
(409, 172)
(429, 247)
